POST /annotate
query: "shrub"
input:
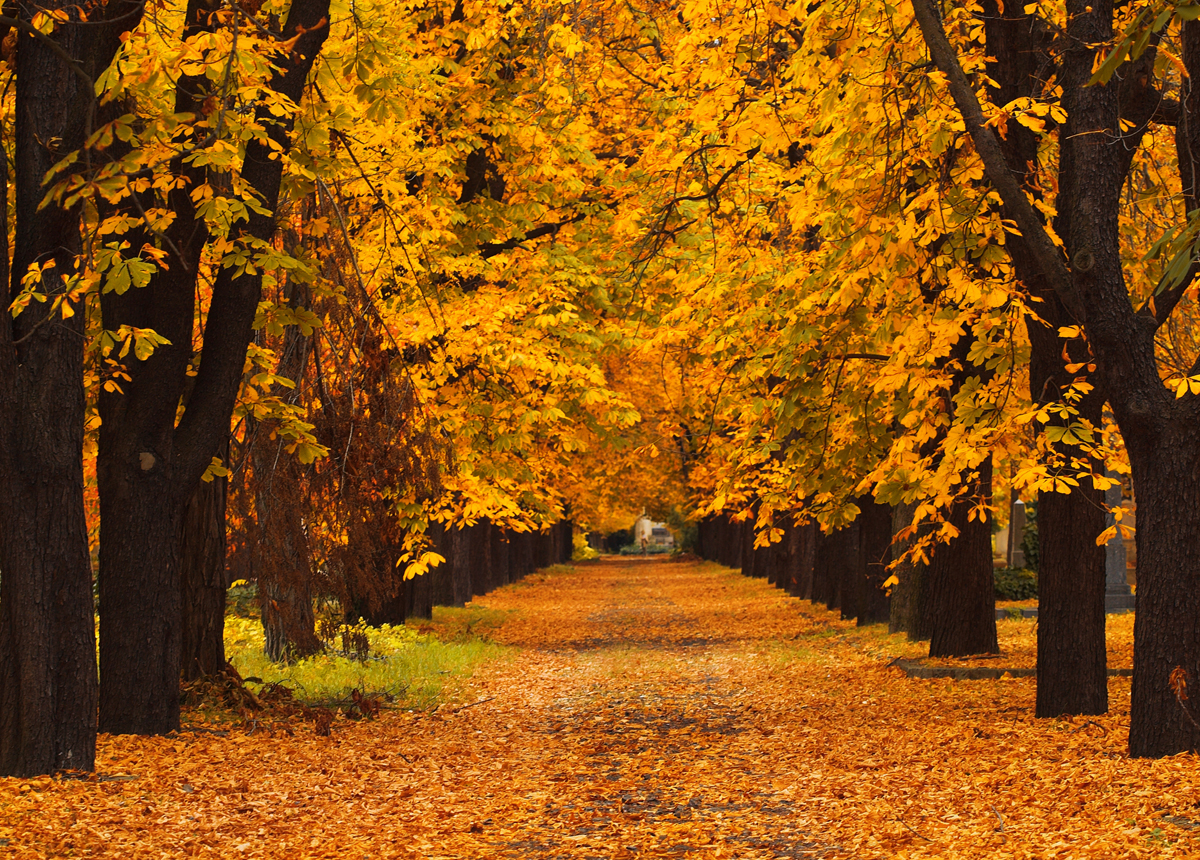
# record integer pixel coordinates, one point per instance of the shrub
(651, 549)
(1030, 544)
(1015, 583)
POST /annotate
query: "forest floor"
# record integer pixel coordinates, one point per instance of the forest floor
(650, 709)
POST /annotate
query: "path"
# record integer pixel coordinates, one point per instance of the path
(654, 709)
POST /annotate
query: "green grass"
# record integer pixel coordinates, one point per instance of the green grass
(419, 669)
(460, 625)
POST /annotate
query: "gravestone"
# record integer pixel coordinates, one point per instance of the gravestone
(1016, 535)
(1117, 594)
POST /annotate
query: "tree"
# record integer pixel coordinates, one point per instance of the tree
(151, 458)
(47, 643)
(1087, 275)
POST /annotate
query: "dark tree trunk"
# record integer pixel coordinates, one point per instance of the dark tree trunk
(420, 596)
(909, 613)
(1072, 676)
(390, 599)
(442, 576)
(853, 571)
(822, 583)
(287, 617)
(544, 550)
(568, 541)
(151, 459)
(875, 533)
(1159, 429)
(959, 585)
(839, 552)
(481, 558)
(778, 561)
(283, 564)
(807, 538)
(47, 641)
(749, 551)
(499, 555)
(204, 581)
(704, 538)
(729, 550)
(520, 548)
(460, 565)
(1166, 629)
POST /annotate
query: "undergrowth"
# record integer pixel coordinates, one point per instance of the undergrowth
(417, 669)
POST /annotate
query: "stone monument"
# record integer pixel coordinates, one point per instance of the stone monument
(1016, 535)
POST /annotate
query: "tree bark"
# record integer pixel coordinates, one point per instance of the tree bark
(806, 538)
(1072, 676)
(959, 585)
(420, 602)
(47, 641)
(875, 533)
(852, 571)
(204, 581)
(283, 562)
(909, 613)
(442, 577)
(151, 459)
(501, 573)
(750, 554)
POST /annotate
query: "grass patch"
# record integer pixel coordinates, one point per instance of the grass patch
(541, 575)
(416, 668)
(462, 624)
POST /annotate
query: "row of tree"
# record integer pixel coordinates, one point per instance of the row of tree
(214, 265)
(389, 267)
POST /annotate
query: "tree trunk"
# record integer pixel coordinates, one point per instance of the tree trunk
(852, 571)
(875, 533)
(288, 621)
(959, 584)
(420, 601)
(749, 551)
(806, 539)
(501, 572)
(908, 614)
(48, 688)
(1072, 676)
(460, 570)
(520, 554)
(838, 550)
(822, 588)
(1158, 428)
(442, 577)
(481, 558)
(284, 565)
(47, 638)
(151, 458)
(204, 581)
(1164, 713)
(544, 550)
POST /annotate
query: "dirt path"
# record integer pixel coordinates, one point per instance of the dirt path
(652, 710)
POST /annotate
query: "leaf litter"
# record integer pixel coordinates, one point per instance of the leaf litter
(654, 709)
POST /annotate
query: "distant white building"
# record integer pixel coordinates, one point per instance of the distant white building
(654, 534)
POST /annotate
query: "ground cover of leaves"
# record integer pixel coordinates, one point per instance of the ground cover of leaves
(654, 709)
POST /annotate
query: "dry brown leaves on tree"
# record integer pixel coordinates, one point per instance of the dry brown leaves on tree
(654, 710)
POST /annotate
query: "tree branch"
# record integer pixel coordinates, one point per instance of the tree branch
(1015, 204)
(491, 249)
